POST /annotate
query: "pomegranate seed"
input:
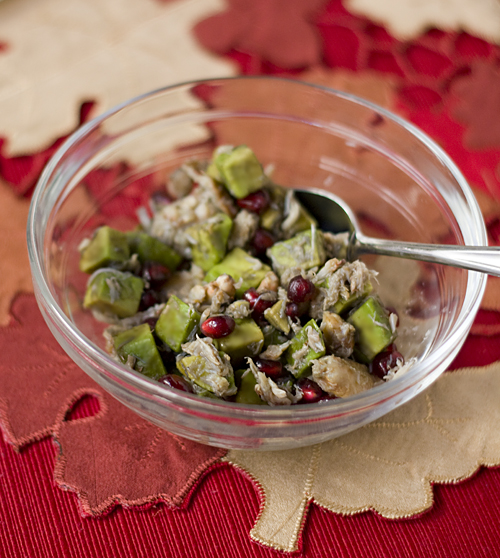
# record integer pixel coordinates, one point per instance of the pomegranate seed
(294, 310)
(149, 298)
(177, 382)
(300, 289)
(255, 202)
(311, 392)
(151, 323)
(261, 241)
(155, 273)
(218, 326)
(258, 304)
(271, 368)
(385, 360)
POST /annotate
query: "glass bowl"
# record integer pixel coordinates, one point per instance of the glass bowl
(399, 183)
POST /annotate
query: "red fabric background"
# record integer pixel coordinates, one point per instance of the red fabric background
(37, 519)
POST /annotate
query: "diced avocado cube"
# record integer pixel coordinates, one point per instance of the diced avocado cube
(304, 250)
(273, 336)
(276, 316)
(196, 369)
(107, 246)
(373, 329)
(342, 306)
(246, 340)
(209, 240)
(149, 248)
(240, 265)
(139, 344)
(246, 393)
(240, 171)
(114, 292)
(305, 347)
(270, 218)
(176, 322)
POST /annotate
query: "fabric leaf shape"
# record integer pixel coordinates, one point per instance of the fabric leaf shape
(113, 50)
(38, 381)
(16, 276)
(117, 457)
(443, 435)
(407, 19)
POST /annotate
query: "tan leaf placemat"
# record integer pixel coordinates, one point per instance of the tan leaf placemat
(113, 50)
(408, 18)
(444, 435)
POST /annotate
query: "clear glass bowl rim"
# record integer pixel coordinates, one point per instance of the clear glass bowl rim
(421, 372)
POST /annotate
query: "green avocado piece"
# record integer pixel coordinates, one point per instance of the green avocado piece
(342, 306)
(176, 322)
(276, 316)
(246, 393)
(240, 171)
(373, 330)
(107, 246)
(246, 340)
(300, 360)
(273, 336)
(139, 343)
(114, 292)
(209, 240)
(305, 250)
(149, 248)
(195, 369)
(240, 265)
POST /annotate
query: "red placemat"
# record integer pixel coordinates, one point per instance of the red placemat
(438, 76)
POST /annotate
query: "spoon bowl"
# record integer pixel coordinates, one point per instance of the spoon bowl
(334, 215)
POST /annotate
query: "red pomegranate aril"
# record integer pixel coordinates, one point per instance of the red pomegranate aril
(251, 296)
(218, 326)
(151, 323)
(300, 289)
(385, 360)
(271, 368)
(258, 304)
(311, 392)
(255, 202)
(149, 298)
(294, 310)
(177, 382)
(261, 241)
(155, 273)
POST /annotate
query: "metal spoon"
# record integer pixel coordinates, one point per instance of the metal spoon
(334, 215)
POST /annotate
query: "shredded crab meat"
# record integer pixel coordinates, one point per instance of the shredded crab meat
(336, 245)
(274, 352)
(269, 391)
(341, 377)
(244, 226)
(239, 309)
(401, 368)
(218, 368)
(348, 279)
(291, 212)
(339, 335)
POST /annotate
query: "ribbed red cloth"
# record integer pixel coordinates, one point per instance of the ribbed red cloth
(38, 519)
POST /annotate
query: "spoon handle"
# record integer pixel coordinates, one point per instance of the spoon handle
(485, 259)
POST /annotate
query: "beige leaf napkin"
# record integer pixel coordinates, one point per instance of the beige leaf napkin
(408, 18)
(443, 435)
(62, 53)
